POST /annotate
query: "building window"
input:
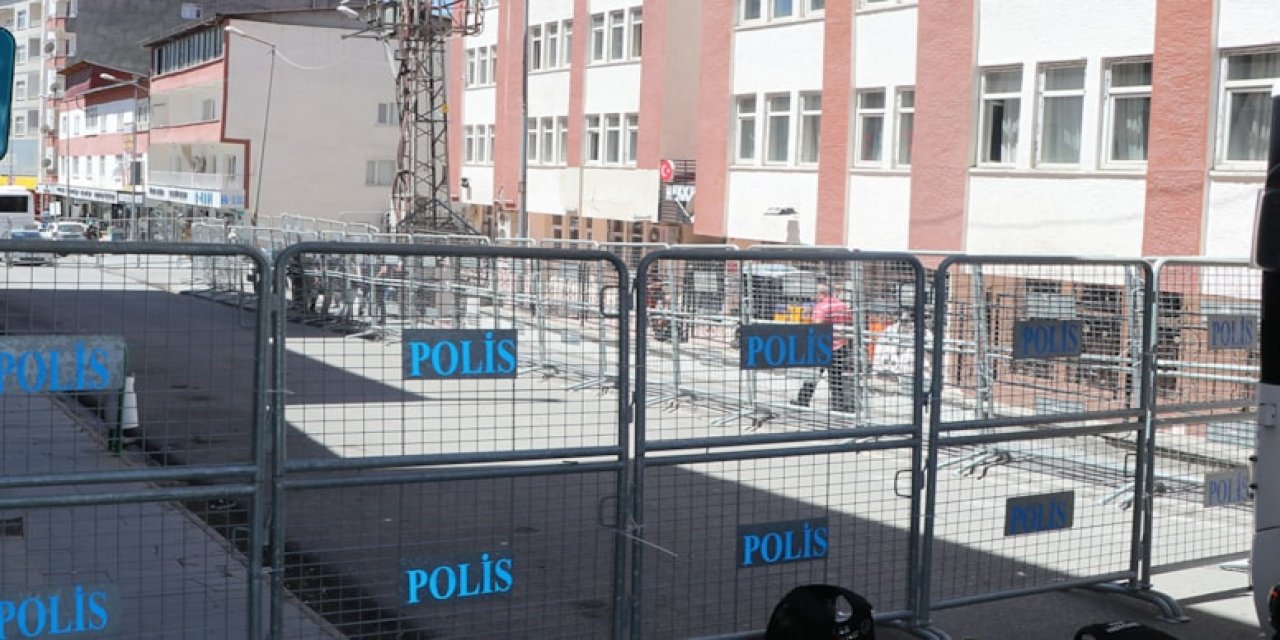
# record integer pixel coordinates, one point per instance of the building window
(633, 137)
(636, 29)
(1001, 100)
(209, 109)
(593, 139)
(142, 113)
(489, 144)
(613, 138)
(1128, 110)
(778, 10)
(906, 125)
(19, 89)
(482, 66)
(472, 54)
(535, 47)
(562, 137)
(531, 139)
(91, 120)
(566, 41)
(468, 144)
(387, 113)
(597, 37)
(379, 172)
(871, 126)
(553, 45)
(493, 64)
(617, 35)
(20, 54)
(1247, 105)
(19, 126)
(1061, 113)
(810, 127)
(21, 22)
(746, 128)
(547, 130)
(778, 129)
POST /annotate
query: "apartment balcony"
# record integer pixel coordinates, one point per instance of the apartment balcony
(190, 180)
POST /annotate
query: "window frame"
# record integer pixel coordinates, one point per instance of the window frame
(1110, 94)
(899, 111)
(740, 117)
(593, 149)
(805, 115)
(551, 46)
(617, 36)
(470, 74)
(536, 50)
(531, 140)
(630, 138)
(562, 140)
(769, 130)
(613, 139)
(599, 35)
(983, 98)
(635, 33)
(861, 114)
(1043, 93)
(547, 134)
(1227, 89)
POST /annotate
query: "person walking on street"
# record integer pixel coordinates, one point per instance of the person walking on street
(832, 310)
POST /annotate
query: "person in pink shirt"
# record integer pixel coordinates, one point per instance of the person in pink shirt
(832, 310)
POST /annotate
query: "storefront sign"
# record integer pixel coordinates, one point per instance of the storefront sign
(197, 197)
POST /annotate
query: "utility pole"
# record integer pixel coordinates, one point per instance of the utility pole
(418, 32)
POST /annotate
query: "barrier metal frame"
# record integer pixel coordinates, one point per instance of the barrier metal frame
(442, 467)
(846, 439)
(1246, 411)
(1127, 582)
(255, 476)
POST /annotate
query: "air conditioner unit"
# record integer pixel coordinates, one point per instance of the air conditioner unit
(50, 46)
(47, 163)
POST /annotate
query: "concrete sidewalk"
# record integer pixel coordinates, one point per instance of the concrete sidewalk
(145, 570)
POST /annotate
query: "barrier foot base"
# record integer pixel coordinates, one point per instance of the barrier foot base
(1170, 610)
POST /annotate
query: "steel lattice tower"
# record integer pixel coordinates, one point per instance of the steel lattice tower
(417, 33)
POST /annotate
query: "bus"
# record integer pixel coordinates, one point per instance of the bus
(17, 208)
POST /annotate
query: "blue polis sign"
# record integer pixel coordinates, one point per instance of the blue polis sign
(33, 364)
(785, 346)
(1042, 339)
(770, 543)
(49, 614)
(455, 579)
(460, 354)
(1045, 512)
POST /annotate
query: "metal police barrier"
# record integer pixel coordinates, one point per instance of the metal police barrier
(133, 465)
(730, 515)
(1037, 440)
(431, 486)
(1204, 412)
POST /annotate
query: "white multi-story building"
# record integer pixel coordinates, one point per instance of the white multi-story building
(25, 20)
(1059, 126)
(269, 113)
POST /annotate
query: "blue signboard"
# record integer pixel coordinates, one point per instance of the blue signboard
(80, 609)
(770, 543)
(444, 580)
(1043, 339)
(1226, 487)
(785, 346)
(1233, 332)
(1045, 512)
(460, 354)
(34, 364)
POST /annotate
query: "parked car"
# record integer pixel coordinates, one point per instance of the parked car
(23, 257)
(69, 231)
